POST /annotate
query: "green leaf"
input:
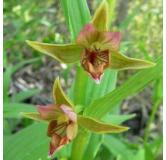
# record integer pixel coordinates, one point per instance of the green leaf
(118, 119)
(64, 5)
(11, 70)
(148, 153)
(24, 95)
(69, 53)
(124, 44)
(95, 91)
(12, 110)
(156, 145)
(101, 107)
(4, 59)
(6, 84)
(100, 19)
(117, 147)
(6, 128)
(92, 91)
(29, 143)
(21, 64)
(104, 154)
(92, 148)
(121, 62)
(158, 90)
(139, 155)
(79, 15)
(99, 127)
(144, 51)
(127, 21)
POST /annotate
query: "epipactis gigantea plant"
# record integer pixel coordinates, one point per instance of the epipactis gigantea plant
(96, 48)
(63, 121)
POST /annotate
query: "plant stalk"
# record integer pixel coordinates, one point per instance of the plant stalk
(79, 98)
(80, 141)
(80, 86)
(151, 119)
(78, 146)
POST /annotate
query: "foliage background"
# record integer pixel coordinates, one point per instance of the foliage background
(140, 23)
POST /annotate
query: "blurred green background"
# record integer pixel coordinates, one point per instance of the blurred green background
(29, 76)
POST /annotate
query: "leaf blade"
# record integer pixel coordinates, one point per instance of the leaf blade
(101, 107)
(21, 96)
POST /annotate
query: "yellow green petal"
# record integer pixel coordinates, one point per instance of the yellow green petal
(121, 62)
(72, 130)
(59, 96)
(100, 19)
(68, 54)
(35, 116)
(99, 127)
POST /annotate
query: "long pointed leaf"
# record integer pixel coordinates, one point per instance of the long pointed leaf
(21, 96)
(102, 106)
(29, 143)
(117, 147)
(77, 14)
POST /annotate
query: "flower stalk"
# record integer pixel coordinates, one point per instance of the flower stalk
(80, 86)
(79, 144)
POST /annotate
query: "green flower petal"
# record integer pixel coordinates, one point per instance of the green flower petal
(68, 54)
(59, 96)
(35, 116)
(99, 127)
(100, 19)
(121, 62)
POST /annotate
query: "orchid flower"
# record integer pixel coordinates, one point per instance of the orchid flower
(63, 121)
(96, 48)
(61, 117)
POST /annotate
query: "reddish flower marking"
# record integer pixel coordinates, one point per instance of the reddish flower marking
(96, 54)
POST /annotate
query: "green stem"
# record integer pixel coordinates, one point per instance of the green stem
(78, 146)
(80, 141)
(80, 86)
(151, 119)
(79, 98)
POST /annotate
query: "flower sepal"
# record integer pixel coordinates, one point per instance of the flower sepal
(121, 62)
(99, 127)
(68, 53)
